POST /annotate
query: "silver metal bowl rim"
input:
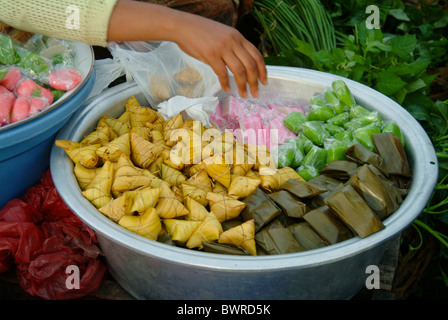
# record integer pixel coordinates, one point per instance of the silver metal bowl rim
(66, 97)
(426, 171)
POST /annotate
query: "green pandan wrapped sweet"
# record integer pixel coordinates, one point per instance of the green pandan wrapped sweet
(393, 128)
(7, 55)
(318, 100)
(285, 155)
(335, 150)
(364, 136)
(315, 131)
(370, 118)
(320, 113)
(35, 63)
(317, 158)
(343, 93)
(304, 143)
(333, 129)
(334, 101)
(294, 120)
(299, 153)
(358, 111)
(340, 119)
(307, 172)
(345, 137)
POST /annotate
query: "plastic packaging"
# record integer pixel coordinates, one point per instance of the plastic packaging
(315, 131)
(343, 92)
(334, 101)
(316, 157)
(41, 237)
(162, 70)
(390, 126)
(294, 121)
(32, 74)
(255, 123)
(335, 150)
(320, 113)
(364, 136)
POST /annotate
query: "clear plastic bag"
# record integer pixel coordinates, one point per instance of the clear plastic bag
(33, 75)
(162, 70)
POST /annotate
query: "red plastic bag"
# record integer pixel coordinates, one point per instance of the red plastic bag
(46, 242)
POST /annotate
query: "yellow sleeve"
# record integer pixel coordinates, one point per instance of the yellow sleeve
(82, 20)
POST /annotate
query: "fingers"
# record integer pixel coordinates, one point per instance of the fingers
(259, 61)
(255, 67)
(219, 67)
(228, 51)
(248, 67)
(239, 70)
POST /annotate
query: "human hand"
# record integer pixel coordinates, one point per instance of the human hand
(222, 47)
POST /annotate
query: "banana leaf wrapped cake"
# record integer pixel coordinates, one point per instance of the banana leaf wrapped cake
(173, 181)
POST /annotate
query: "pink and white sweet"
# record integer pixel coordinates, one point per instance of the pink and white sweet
(254, 124)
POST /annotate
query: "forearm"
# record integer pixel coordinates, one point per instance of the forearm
(142, 21)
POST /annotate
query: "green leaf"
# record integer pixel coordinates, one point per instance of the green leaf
(324, 58)
(372, 46)
(406, 42)
(388, 83)
(444, 276)
(412, 69)
(400, 95)
(399, 14)
(304, 48)
(416, 85)
(404, 45)
(441, 108)
(428, 78)
(419, 112)
(418, 98)
(349, 54)
(442, 22)
(286, 58)
(358, 72)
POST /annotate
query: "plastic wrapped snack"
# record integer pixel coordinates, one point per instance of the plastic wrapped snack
(162, 70)
(34, 72)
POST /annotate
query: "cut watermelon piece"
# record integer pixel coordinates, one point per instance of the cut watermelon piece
(64, 79)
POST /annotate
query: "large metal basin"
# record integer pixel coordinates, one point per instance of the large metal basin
(152, 270)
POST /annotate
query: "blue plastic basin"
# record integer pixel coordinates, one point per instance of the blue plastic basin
(25, 149)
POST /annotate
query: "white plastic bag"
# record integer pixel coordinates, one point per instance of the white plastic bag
(162, 70)
(198, 109)
(107, 70)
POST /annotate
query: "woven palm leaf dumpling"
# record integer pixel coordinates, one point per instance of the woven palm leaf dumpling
(184, 192)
